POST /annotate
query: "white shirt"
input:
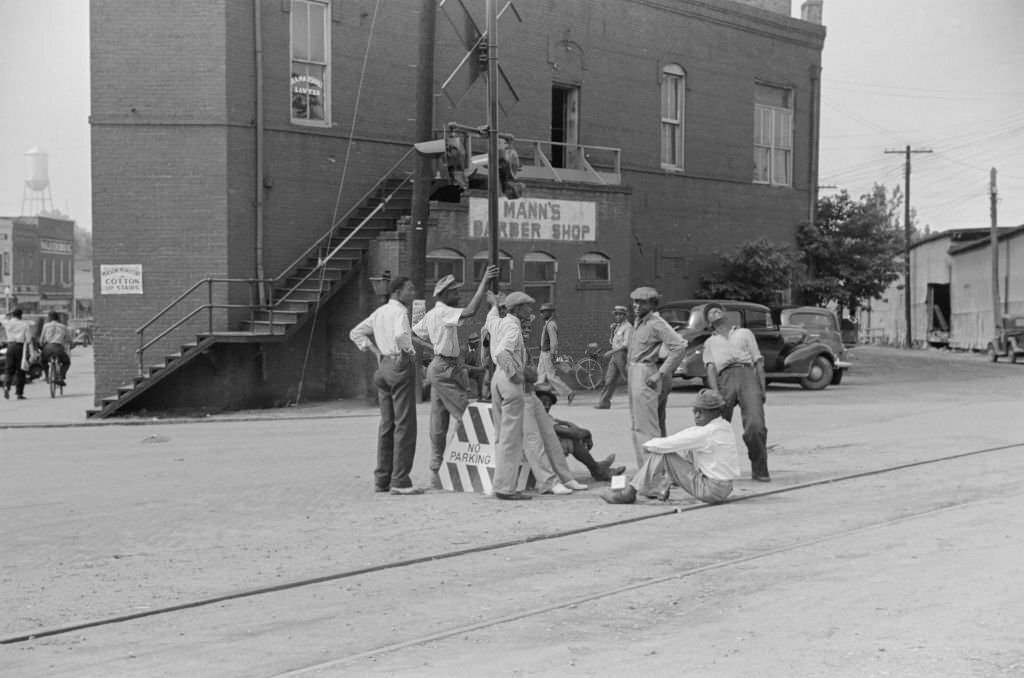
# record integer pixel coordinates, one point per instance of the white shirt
(387, 327)
(440, 325)
(621, 333)
(713, 446)
(507, 347)
(739, 347)
(18, 331)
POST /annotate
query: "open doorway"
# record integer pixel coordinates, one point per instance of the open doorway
(565, 124)
(938, 314)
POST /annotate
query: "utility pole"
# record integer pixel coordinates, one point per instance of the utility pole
(492, 132)
(424, 130)
(907, 288)
(994, 242)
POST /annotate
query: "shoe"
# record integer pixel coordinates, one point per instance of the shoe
(7, 394)
(21, 397)
(406, 490)
(616, 470)
(609, 460)
(558, 488)
(626, 496)
(512, 496)
(664, 494)
(599, 406)
(575, 485)
(761, 478)
(378, 488)
(572, 394)
(435, 481)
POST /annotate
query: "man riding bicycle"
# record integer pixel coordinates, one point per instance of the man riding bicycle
(56, 341)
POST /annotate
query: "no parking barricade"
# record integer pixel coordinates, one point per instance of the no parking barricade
(468, 464)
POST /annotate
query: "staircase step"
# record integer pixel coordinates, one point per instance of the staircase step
(278, 316)
(109, 399)
(153, 369)
(296, 295)
(89, 414)
(121, 390)
(265, 327)
(171, 357)
(293, 306)
(329, 272)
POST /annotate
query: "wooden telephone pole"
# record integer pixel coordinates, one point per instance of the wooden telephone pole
(994, 242)
(907, 288)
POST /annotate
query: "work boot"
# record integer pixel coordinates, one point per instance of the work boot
(626, 496)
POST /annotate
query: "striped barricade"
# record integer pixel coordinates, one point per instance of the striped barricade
(468, 464)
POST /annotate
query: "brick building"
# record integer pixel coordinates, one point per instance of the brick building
(37, 263)
(222, 130)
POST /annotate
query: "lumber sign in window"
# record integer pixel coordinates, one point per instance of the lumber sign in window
(773, 135)
(310, 67)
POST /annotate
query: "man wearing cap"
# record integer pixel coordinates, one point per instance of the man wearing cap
(507, 391)
(701, 459)
(386, 334)
(735, 370)
(621, 331)
(647, 377)
(549, 349)
(447, 373)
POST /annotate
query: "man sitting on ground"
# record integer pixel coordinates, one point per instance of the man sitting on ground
(577, 441)
(701, 459)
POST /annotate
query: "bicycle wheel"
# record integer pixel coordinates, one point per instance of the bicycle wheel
(52, 376)
(589, 373)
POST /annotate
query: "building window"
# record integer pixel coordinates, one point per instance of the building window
(673, 94)
(539, 272)
(594, 267)
(310, 80)
(444, 262)
(481, 259)
(773, 135)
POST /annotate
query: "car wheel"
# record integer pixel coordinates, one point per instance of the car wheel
(992, 355)
(837, 377)
(819, 376)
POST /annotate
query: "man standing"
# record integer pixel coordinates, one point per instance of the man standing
(735, 370)
(19, 335)
(447, 373)
(386, 333)
(507, 390)
(549, 349)
(621, 331)
(646, 378)
(700, 459)
(55, 339)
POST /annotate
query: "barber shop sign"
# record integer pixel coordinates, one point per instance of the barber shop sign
(536, 219)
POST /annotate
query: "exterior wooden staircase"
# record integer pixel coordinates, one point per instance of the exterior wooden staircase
(292, 297)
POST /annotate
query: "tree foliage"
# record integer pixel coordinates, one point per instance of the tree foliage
(758, 270)
(852, 249)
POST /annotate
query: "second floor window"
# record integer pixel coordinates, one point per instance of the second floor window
(442, 262)
(773, 135)
(310, 67)
(673, 92)
(482, 259)
(594, 267)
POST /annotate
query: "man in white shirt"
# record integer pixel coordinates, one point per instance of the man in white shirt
(701, 459)
(56, 342)
(507, 391)
(19, 336)
(621, 331)
(447, 373)
(386, 333)
(735, 369)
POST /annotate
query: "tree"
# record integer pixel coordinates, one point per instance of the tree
(852, 250)
(758, 270)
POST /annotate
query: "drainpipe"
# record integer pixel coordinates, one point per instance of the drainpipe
(812, 185)
(258, 41)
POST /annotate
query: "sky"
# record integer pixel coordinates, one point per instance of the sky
(939, 75)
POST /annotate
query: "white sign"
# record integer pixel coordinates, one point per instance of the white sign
(536, 219)
(120, 278)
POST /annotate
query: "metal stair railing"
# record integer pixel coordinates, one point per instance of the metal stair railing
(266, 286)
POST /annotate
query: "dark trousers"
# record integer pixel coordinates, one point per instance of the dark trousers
(614, 375)
(58, 350)
(395, 380)
(739, 385)
(15, 375)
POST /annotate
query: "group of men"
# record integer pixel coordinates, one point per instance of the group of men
(21, 341)
(701, 459)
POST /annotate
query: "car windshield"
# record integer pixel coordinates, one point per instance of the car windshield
(811, 321)
(675, 316)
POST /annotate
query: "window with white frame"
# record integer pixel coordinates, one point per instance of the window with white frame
(594, 267)
(310, 61)
(773, 135)
(443, 262)
(539, 272)
(673, 96)
(482, 259)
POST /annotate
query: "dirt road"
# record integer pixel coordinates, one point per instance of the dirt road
(908, 572)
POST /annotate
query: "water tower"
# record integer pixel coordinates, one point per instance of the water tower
(35, 197)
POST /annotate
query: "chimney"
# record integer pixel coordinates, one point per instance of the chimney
(811, 11)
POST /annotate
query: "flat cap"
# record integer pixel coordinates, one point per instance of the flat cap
(547, 306)
(517, 299)
(620, 309)
(708, 400)
(713, 312)
(446, 283)
(644, 294)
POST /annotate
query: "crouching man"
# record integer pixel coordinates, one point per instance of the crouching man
(701, 459)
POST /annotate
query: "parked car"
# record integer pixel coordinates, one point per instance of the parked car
(1009, 341)
(790, 353)
(819, 323)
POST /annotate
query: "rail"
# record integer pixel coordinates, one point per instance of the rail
(262, 288)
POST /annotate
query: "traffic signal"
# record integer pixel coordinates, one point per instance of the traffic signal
(508, 167)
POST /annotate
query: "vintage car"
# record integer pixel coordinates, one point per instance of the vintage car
(1010, 340)
(790, 353)
(819, 323)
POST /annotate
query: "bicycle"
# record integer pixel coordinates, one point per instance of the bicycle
(53, 377)
(588, 370)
